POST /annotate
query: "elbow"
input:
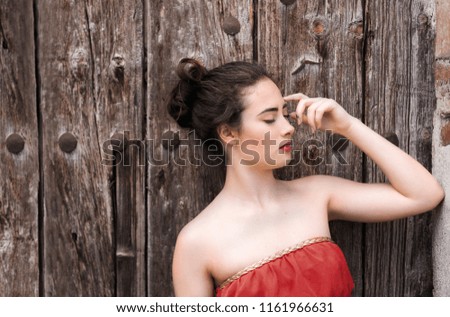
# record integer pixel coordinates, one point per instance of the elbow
(440, 196)
(435, 198)
(429, 199)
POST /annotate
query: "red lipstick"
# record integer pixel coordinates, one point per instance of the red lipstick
(286, 146)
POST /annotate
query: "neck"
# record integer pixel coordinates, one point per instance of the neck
(251, 185)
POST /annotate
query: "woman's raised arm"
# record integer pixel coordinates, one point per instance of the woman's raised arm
(411, 189)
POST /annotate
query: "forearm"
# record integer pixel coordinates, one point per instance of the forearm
(404, 173)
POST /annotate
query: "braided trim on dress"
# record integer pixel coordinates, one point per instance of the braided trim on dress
(279, 254)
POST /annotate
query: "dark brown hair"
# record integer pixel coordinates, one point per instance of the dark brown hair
(203, 100)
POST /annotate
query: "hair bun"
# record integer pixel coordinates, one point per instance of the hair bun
(183, 96)
(191, 70)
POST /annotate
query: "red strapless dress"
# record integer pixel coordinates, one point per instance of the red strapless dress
(314, 267)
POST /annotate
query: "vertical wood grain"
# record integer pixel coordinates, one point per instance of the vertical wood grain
(315, 47)
(179, 190)
(399, 96)
(78, 257)
(19, 172)
(117, 50)
(92, 56)
(419, 230)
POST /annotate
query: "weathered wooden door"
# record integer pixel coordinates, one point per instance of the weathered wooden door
(94, 180)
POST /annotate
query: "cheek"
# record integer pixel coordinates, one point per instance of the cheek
(255, 130)
(257, 135)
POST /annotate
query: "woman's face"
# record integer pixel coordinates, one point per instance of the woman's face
(265, 127)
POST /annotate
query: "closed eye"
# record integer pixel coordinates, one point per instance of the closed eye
(272, 121)
(275, 109)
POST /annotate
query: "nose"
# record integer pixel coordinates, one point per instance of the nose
(287, 128)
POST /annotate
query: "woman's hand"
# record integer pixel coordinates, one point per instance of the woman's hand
(321, 113)
(411, 189)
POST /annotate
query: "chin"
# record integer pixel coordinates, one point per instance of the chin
(273, 162)
(280, 163)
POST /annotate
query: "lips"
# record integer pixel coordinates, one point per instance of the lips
(286, 145)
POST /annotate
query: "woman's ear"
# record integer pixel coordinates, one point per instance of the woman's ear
(227, 134)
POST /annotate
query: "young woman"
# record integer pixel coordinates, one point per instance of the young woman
(266, 237)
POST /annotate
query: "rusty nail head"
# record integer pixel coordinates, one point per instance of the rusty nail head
(426, 134)
(170, 140)
(118, 60)
(422, 19)
(67, 142)
(318, 27)
(15, 143)
(117, 68)
(231, 25)
(357, 29)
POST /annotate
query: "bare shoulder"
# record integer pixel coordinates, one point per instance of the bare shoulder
(190, 237)
(322, 189)
(191, 275)
(200, 234)
(194, 237)
(313, 184)
(312, 179)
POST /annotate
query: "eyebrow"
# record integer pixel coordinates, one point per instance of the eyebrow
(272, 109)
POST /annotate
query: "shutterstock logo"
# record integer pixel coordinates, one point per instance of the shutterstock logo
(120, 149)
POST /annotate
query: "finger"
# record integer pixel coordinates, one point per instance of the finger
(323, 107)
(295, 116)
(318, 117)
(297, 96)
(311, 113)
(319, 105)
(299, 111)
(303, 104)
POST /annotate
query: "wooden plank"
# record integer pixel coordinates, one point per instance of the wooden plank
(175, 30)
(78, 249)
(315, 47)
(19, 159)
(116, 39)
(399, 96)
(419, 274)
